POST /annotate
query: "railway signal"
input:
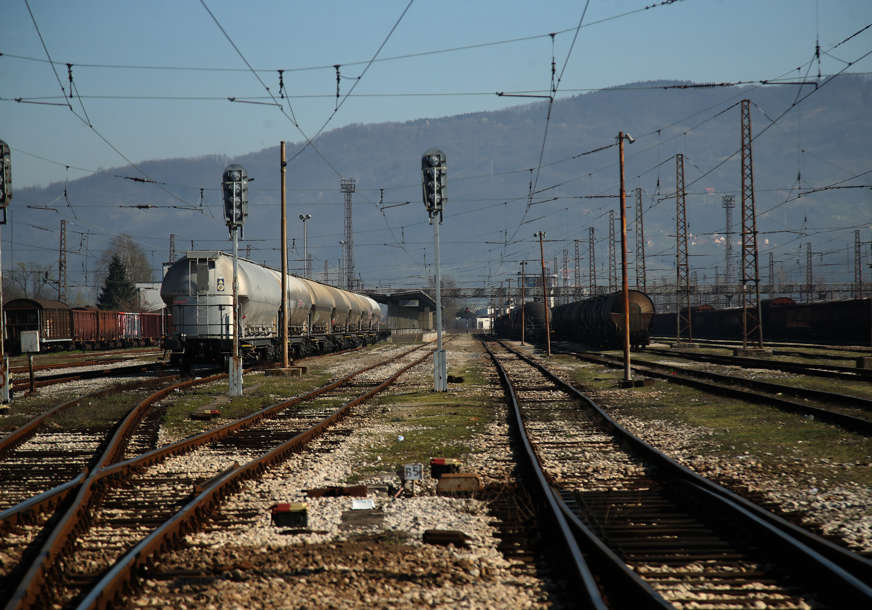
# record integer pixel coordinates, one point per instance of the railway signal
(433, 192)
(234, 184)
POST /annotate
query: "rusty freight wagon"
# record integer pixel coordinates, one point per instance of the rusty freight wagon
(51, 318)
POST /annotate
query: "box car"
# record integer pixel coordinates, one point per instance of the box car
(51, 318)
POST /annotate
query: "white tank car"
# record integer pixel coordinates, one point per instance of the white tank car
(198, 291)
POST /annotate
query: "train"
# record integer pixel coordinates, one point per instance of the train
(847, 322)
(597, 322)
(62, 327)
(198, 292)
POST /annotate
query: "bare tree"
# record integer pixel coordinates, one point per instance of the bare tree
(28, 280)
(131, 255)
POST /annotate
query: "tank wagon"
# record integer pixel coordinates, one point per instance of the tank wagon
(198, 291)
(596, 322)
(599, 322)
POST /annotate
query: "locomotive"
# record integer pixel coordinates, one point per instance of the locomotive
(198, 291)
(597, 322)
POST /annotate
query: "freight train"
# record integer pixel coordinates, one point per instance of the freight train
(198, 291)
(62, 327)
(596, 322)
(831, 322)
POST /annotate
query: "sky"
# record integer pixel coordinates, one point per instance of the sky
(153, 78)
(699, 40)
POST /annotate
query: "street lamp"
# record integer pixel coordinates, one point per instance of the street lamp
(307, 270)
(234, 183)
(433, 192)
(628, 375)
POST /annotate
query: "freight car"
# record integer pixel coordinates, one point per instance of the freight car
(596, 322)
(832, 322)
(63, 328)
(198, 291)
(599, 321)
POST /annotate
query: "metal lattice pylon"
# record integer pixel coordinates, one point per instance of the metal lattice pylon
(591, 255)
(348, 186)
(613, 266)
(682, 269)
(577, 270)
(752, 328)
(565, 272)
(641, 280)
(62, 264)
(729, 202)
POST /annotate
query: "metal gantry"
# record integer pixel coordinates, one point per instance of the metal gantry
(641, 279)
(62, 264)
(809, 274)
(348, 186)
(682, 268)
(577, 270)
(858, 266)
(752, 326)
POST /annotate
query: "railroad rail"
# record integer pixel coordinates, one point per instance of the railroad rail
(818, 370)
(651, 529)
(103, 500)
(732, 343)
(772, 394)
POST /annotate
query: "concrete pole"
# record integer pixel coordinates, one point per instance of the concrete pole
(628, 375)
(284, 230)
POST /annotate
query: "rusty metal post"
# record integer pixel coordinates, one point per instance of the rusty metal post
(541, 235)
(284, 230)
(628, 375)
(752, 321)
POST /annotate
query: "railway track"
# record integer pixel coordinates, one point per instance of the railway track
(652, 532)
(850, 412)
(731, 343)
(832, 371)
(119, 503)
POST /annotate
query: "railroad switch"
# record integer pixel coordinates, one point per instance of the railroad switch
(293, 514)
(440, 466)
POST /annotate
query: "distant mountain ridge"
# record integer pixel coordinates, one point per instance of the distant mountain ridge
(824, 140)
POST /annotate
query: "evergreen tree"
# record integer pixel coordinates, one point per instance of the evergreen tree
(118, 292)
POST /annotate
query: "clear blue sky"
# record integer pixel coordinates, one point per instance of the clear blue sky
(700, 40)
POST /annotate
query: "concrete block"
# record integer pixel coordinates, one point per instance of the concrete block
(440, 466)
(461, 483)
(290, 514)
(362, 518)
(446, 538)
(291, 371)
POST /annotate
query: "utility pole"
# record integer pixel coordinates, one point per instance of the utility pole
(591, 255)
(613, 267)
(682, 269)
(541, 235)
(523, 298)
(858, 266)
(348, 186)
(284, 237)
(5, 197)
(729, 202)
(641, 279)
(62, 264)
(752, 322)
(577, 270)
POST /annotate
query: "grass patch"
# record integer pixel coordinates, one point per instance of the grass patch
(776, 437)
